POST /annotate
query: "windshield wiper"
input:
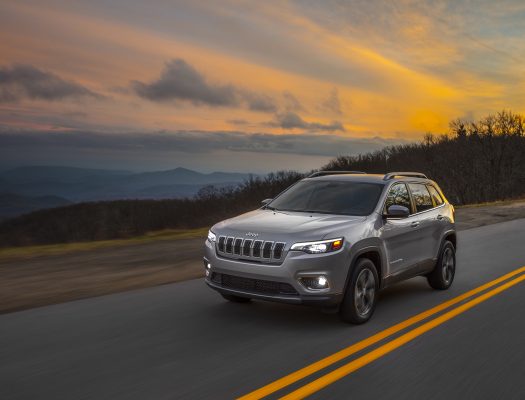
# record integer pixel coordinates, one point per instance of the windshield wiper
(304, 211)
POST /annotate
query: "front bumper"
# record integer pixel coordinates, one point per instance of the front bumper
(310, 300)
(294, 266)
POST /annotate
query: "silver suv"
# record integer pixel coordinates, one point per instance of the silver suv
(334, 239)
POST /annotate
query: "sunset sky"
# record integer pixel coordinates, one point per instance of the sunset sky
(246, 85)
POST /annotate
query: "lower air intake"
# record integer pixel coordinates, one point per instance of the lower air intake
(253, 285)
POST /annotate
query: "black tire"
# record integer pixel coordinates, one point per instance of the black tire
(360, 298)
(236, 299)
(443, 274)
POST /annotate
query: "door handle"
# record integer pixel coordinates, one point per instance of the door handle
(440, 217)
(414, 224)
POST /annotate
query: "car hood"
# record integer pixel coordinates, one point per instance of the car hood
(281, 225)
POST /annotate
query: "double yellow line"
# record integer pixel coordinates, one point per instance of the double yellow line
(354, 365)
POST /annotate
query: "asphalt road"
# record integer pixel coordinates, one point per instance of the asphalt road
(183, 341)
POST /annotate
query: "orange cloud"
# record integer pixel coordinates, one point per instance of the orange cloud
(402, 77)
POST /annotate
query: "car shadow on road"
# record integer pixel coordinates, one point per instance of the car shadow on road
(271, 316)
(407, 290)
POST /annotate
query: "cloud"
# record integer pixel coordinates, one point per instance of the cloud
(196, 142)
(180, 81)
(291, 103)
(21, 81)
(237, 121)
(291, 120)
(332, 103)
(258, 102)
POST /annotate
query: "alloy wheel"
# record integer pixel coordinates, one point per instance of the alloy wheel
(364, 293)
(447, 265)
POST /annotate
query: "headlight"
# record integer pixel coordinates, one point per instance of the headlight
(211, 237)
(322, 246)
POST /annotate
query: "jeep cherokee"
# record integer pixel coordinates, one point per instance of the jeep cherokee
(334, 239)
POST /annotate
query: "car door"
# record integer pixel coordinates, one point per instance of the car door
(428, 225)
(442, 222)
(399, 235)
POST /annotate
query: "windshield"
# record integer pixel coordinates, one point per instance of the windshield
(329, 197)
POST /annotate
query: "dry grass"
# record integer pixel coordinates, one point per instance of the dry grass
(493, 203)
(51, 276)
(65, 248)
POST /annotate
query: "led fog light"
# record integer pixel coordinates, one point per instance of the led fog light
(207, 267)
(315, 282)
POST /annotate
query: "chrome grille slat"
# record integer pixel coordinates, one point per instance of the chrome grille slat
(247, 247)
(237, 242)
(256, 249)
(229, 245)
(220, 243)
(278, 250)
(267, 249)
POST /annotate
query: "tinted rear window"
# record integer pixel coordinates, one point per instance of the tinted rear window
(421, 197)
(438, 200)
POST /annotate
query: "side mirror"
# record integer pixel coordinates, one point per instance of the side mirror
(266, 201)
(396, 211)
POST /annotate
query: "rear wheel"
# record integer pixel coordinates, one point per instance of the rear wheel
(236, 299)
(360, 297)
(443, 275)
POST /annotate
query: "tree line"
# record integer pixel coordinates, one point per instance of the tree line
(474, 162)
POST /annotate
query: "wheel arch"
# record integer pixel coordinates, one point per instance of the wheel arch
(374, 254)
(451, 236)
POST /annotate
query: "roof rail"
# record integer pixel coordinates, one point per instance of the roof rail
(392, 175)
(323, 173)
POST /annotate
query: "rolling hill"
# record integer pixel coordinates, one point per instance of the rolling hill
(40, 187)
(12, 205)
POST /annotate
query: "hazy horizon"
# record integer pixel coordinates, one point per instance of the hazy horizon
(126, 170)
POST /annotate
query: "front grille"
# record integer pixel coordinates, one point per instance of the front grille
(250, 249)
(253, 285)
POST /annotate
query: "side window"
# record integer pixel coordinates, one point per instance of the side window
(421, 197)
(398, 195)
(438, 200)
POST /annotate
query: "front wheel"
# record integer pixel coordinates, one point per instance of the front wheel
(360, 297)
(443, 275)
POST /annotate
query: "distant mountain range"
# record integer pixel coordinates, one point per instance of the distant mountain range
(26, 189)
(14, 204)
